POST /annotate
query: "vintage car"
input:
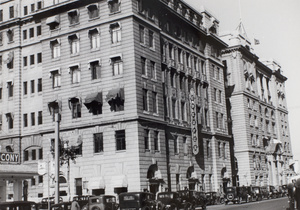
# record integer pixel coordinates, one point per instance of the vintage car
(192, 199)
(137, 200)
(214, 198)
(18, 205)
(101, 202)
(265, 192)
(255, 193)
(82, 200)
(61, 206)
(168, 200)
(48, 200)
(284, 190)
(273, 192)
(236, 195)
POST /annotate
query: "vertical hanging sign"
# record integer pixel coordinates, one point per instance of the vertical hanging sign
(194, 124)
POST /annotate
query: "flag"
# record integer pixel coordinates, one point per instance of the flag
(256, 41)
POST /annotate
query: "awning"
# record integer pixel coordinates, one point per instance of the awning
(93, 97)
(96, 183)
(119, 181)
(53, 19)
(54, 104)
(10, 57)
(17, 171)
(74, 100)
(113, 94)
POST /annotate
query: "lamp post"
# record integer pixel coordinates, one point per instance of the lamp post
(57, 155)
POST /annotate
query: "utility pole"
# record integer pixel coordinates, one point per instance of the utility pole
(57, 154)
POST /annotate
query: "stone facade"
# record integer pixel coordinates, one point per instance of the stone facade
(257, 107)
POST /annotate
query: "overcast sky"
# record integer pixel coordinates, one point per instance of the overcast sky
(276, 24)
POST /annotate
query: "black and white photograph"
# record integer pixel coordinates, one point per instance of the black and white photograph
(149, 104)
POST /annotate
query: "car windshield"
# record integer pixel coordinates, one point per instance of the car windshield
(229, 189)
(170, 195)
(110, 200)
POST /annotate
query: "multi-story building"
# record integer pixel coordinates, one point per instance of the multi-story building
(139, 87)
(258, 115)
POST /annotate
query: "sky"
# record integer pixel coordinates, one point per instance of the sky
(276, 24)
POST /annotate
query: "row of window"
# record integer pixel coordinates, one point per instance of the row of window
(11, 13)
(33, 119)
(32, 59)
(30, 32)
(222, 152)
(95, 68)
(151, 140)
(120, 140)
(73, 15)
(33, 154)
(33, 7)
(150, 36)
(94, 37)
(178, 58)
(10, 88)
(217, 96)
(174, 79)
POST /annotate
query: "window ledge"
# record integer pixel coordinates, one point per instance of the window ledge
(121, 151)
(74, 24)
(113, 13)
(116, 44)
(77, 84)
(99, 153)
(95, 18)
(146, 112)
(152, 49)
(95, 49)
(74, 55)
(56, 58)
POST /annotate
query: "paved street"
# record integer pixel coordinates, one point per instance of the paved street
(273, 204)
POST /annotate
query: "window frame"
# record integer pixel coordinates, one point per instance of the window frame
(120, 139)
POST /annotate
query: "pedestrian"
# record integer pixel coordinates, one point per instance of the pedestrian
(297, 193)
(75, 205)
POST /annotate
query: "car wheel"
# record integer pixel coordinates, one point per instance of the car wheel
(96, 208)
(173, 207)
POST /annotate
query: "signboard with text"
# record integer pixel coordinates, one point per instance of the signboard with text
(194, 124)
(9, 157)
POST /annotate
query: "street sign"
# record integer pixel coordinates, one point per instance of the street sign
(194, 124)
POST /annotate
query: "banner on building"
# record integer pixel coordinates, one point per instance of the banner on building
(194, 124)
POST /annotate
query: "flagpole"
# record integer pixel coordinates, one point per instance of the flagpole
(240, 10)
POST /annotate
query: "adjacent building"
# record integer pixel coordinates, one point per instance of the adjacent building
(258, 114)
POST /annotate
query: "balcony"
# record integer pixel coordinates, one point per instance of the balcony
(171, 63)
(196, 75)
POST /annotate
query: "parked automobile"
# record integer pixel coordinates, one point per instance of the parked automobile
(82, 200)
(137, 200)
(45, 201)
(192, 199)
(168, 200)
(19, 205)
(284, 190)
(273, 192)
(255, 193)
(214, 198)
(265, 192)
(236, 195)
(102, 202)
(61, 206)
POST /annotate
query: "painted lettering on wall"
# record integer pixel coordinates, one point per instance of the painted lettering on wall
(9, 157)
